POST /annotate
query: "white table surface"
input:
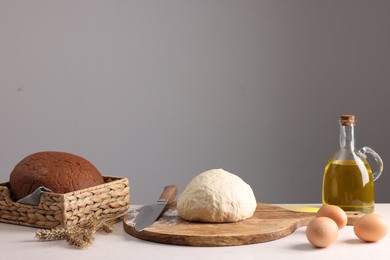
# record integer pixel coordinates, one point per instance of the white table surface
(18, 242)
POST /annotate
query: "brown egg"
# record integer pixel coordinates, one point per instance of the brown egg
(370, 228)
(336, 213)
(322, 231)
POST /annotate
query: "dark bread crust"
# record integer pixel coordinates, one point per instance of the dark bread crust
(61, 172)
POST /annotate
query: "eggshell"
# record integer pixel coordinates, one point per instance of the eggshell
(336, 213)
(322, 231)
(371, 227)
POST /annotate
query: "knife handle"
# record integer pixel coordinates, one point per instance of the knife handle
(169, 193)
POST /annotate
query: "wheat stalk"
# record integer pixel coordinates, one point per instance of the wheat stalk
(80, 236)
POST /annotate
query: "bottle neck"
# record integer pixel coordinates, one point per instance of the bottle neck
(347, 137)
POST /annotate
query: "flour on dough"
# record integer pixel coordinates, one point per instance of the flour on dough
(216, 196)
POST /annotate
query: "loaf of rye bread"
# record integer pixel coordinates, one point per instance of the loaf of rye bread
(59, 171)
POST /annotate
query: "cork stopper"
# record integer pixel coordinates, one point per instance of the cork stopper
(347, 120)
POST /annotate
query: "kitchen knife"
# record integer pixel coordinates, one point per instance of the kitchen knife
(148, 214)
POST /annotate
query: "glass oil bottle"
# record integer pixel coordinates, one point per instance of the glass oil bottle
(348, 178)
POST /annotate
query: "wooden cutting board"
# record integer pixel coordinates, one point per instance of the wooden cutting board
(268, 223)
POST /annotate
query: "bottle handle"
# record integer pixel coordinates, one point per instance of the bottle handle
(367, 150)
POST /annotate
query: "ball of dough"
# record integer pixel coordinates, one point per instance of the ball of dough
(216, 196)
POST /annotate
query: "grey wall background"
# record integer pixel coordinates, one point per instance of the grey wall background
(160, 91)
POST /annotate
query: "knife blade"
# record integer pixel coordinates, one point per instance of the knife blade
(148, 214)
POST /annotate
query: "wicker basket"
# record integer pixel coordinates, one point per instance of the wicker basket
(106, 200)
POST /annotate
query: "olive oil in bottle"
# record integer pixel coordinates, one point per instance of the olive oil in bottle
(348, 179)
(349, 185)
